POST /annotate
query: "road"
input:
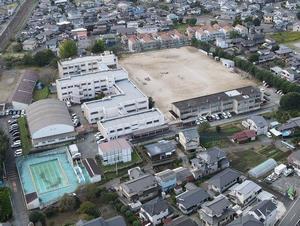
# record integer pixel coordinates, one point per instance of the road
(17, 22)
(20, 216)
(292, 216)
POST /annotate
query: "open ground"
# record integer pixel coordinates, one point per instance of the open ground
(177, 74)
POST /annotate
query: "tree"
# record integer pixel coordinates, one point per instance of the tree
(254, 57)
(234, 34)
(204, 127)
(5, 205)
(298, 15)
(290, 101)
(237, 21)
(136, 223)
(18, 47)
(191, 21)
(256, 22)
(68, 202)
(93, 191)
(275, 48)
(98, 46)
(3, 148)
(89, 208)
(151, 102)
(67, 49)
(37, 216)
(43, 58)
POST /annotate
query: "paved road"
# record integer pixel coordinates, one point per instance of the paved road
(292, 216)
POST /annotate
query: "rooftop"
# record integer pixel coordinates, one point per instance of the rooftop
(161, 147)
(114, 145)
(224, 178)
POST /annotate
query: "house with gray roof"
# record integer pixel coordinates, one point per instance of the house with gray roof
(294, 160)
(292, 124)
(140, 189)
(245, 193)
(189, 139)
(258, 124)
(181, 221)
(265, 212)
(49, 122)
(217, 212)
(114, 221)
(208, 162)
(191, 200)
(166, 179)
(224, 180)
(161, 151)
(247, 220)
(154, 211)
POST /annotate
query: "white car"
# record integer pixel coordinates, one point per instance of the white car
(68, 103)
(229, 114)
(269, 135)
(225, 115)
(98, 134)
(15, 116)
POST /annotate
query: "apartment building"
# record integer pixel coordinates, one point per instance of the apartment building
(238, 101)
(87, 64)
(126, 99)
(127, 124)
(83, 87)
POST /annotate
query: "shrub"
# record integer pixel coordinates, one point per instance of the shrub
(68, 203)
(89, 208)
(5, 205)
(37, 216)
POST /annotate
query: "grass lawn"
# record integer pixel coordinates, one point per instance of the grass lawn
(287, 36)
(41, 94)
(136, 159)
(213, 138)
(246, 160)
(25, 136)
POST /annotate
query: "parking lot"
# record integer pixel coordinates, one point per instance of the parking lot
(177, 74)
(283, 183)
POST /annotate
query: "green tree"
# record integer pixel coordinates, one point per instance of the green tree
(28, 59)
(275, 47)
(37, 216)
(290, 101)
(67, 48)
(136, 223)
(68, 203)
(98, 46)
(254, 57)
(17, 47)
(43, 58)
(237, 21)
(191, 21)
(298, 15)
(89, 208)
(256, 22)
(204, 127)
(5, 205)
(3, 148)
(234, 34)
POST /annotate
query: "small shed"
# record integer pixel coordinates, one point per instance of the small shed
(262, 168)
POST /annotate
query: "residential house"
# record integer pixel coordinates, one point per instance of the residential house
(191, 200)
(140, 189)
(246, 220)
(114, 221)
(291, 125)
(115, 151)
(268, 18)
(242, 30)
(155, 211)
(217, 212)
(244, 136)
(283, 51)
(290, 74)
(265, 212)
(245, 193)
(258, 124)
(224, 180)
(296, 26)
(294, 160)
(181, 221)
(166, 179)
(161, 151)
(189, 139)
(29, 44)
(208, 162)
(183, 175)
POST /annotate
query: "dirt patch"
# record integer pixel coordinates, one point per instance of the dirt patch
(8, 82)
(177, 74)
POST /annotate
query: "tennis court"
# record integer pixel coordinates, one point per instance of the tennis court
(48, 176)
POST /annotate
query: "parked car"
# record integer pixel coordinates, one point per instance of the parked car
(12, 121)
(15, 116)
(14, 139)
(15, 145)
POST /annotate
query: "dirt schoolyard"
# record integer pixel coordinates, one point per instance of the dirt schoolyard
(177, 74)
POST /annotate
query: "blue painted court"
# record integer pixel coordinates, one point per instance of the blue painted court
(50, 174)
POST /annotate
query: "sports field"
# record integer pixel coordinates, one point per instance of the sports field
(48, 176)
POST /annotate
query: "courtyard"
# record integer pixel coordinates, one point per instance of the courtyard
(177, 74)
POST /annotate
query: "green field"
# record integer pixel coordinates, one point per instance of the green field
(287, 36)
(25, 136)
(41, 94)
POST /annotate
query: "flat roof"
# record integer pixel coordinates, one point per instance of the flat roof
(127, 119)
(86, 58)
(126, 91)
(117, 74)
(240, 93)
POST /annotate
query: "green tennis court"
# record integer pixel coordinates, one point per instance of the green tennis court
(48, 176)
